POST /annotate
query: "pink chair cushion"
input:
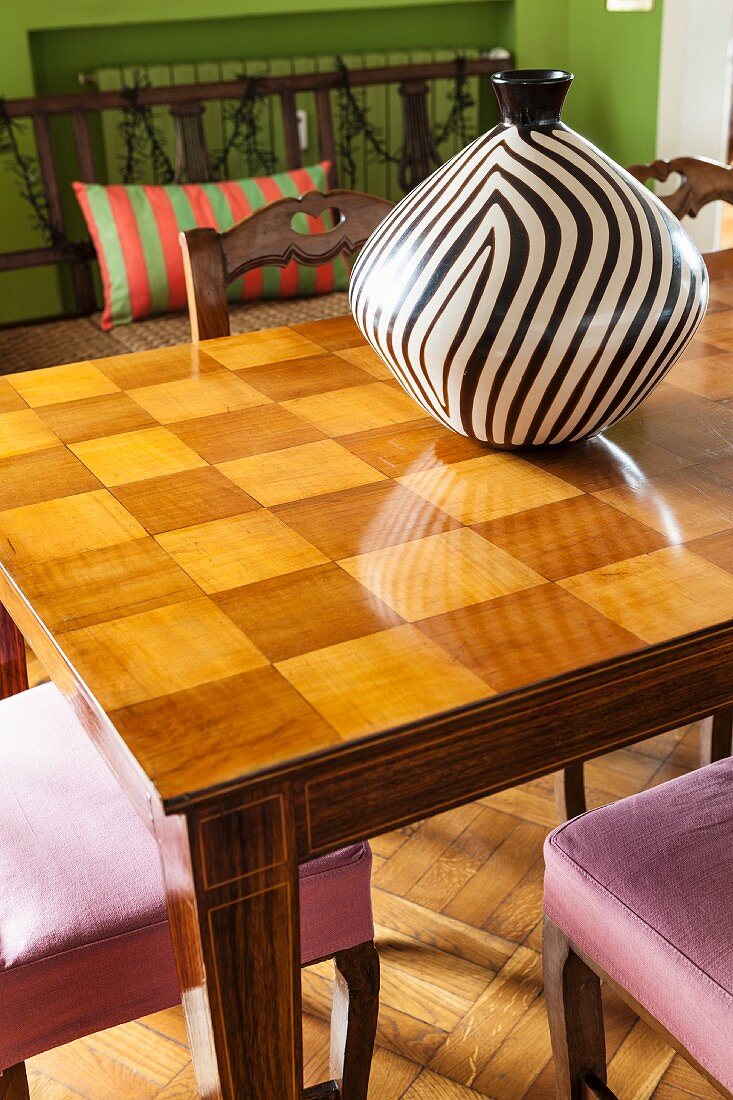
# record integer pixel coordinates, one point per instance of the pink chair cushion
(645, 888)
(84, 940)
(335, 902)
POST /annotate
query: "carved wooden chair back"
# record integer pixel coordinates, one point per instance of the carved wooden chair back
(212, 260)
(701, 181)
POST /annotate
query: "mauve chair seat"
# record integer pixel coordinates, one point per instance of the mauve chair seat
(84, 939)
(645, 888)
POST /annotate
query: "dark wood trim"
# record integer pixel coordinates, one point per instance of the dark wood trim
(205, 270)
(326, 138)
(701, 181)
(561, 721)
(13, 668)
(570, 792)
(327, 1090)
(419, 155)
(192, 162)
(14, 1083)
(234, 89)
(232, 880)
(288, 108)
(84, 146)
(42, 257)
(80, 271)
(51, 185)
(717, 737)
(267, 237)
(212, 260)
(597, 1089)
(354, 1019)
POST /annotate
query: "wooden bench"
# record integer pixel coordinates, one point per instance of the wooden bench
(186, 103)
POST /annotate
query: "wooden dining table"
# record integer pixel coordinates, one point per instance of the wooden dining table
(294, 612)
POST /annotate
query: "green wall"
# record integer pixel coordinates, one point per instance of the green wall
(44, 44)
(59, 55)
(541, 33)
(615, 58)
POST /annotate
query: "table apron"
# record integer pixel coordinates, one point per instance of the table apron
(494, 746)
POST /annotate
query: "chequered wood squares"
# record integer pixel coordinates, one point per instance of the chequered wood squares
(265, 539)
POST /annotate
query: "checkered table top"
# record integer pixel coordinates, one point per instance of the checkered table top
(257, 549)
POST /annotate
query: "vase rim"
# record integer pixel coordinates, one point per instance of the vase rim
(532, 76)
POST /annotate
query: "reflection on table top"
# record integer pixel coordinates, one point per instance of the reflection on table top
(262, 548)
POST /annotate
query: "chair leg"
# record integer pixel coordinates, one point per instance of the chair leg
(354, 1019)
(14, 1083)
(569, 792)
(717, 737)
(575, 1014)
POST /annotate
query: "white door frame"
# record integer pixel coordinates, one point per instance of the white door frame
(695, 92)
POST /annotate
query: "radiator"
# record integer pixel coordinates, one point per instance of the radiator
(383, 104)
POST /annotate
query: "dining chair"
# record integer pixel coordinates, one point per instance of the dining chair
(213, 260)
(639, 895)
(84, 937)
(701, 181)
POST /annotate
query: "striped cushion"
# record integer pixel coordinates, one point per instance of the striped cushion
(135, 232)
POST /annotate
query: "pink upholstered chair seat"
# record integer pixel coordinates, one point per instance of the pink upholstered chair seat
(645, 888)
(335, 902)
(84, 939)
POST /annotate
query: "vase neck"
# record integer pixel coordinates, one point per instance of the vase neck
(531, 97)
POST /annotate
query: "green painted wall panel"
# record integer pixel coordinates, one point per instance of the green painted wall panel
(59, 55)
(615, 57)
(44, 45)
(541, 33)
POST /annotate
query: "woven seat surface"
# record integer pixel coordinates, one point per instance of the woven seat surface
(29, 347)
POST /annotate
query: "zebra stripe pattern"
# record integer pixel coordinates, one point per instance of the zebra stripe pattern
(530, 291)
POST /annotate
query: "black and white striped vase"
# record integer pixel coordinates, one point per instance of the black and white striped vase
(530, 291)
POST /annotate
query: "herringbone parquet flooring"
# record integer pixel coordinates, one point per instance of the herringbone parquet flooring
(457, 903)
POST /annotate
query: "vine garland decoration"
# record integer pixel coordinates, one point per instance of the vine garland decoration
(353, 121)
(243, 119)
(142, 139)
(461, 102)
(25, 169)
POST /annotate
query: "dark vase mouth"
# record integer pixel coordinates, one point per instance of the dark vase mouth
(531, 97)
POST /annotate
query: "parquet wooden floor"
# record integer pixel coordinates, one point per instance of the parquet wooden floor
(457, 903)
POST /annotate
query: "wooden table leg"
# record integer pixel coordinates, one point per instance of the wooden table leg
(570, 792)
(13, 669)
(232, 884)
(14, 1083)
(717, 737)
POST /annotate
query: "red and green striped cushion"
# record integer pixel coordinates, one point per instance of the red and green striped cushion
(135, 232)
